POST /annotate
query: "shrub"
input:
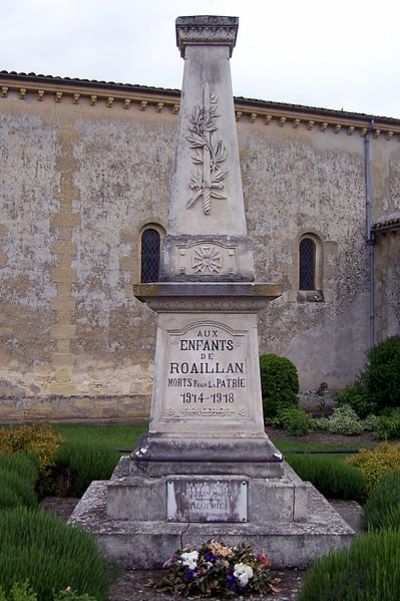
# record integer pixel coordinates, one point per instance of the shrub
(382, 510)
(9, 497)
(23, 488)
(344, 420)
(39, 439)
(71, 595)
(368, 571)
(387, 426)
(356, 396)
(370, 422)
(376, 463)
(382, 373)
(331, 476)
(279, 384)
(25, 465)
(321, 423)
(51, 555)
(295, 422)
(20, 591)
(18, 474)
(76, 466)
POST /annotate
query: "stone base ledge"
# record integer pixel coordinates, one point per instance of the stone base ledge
(147, 545)
(74, 408)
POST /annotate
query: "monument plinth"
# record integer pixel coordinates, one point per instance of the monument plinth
(206, 468)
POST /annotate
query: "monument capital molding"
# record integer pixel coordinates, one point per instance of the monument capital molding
(246, 297)
(206, 31)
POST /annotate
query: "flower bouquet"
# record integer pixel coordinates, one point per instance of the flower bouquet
(215, 569)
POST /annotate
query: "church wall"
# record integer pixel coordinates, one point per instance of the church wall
(78, 183)
(310, 182)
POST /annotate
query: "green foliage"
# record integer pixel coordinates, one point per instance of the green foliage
(356, 396)
(382, 373)
(279, 384)
(71, 595)
(368, 571)
(370, 422)
(344, 420)
(375, 463)
(11, 480)
(321, 423)
(50, 554)
(294, 421)
(9, 497)
(19, 591)
(330, 475)
(215, 570)
(382, 510)
(38, 439)
(18, 474)
(387, 426)
(112, 436)
(25, 465)
(77, 464)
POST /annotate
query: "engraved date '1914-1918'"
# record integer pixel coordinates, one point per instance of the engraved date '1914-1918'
(209, 153)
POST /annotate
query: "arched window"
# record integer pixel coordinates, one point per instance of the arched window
(307, 256)
(150, 256)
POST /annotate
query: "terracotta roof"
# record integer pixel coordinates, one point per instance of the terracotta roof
(264, 104)
(34, 77)
(387, 222)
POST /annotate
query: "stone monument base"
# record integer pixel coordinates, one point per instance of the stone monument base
(140, 521)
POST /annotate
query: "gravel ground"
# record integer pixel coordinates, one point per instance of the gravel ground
(138, 585)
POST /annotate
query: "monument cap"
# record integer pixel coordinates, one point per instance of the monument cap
(210, 30)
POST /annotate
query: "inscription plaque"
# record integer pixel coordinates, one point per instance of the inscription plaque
(206, 372)
(207, 500)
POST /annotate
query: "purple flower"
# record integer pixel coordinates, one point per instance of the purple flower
(230, 582)
(209, 556)
(189, 574)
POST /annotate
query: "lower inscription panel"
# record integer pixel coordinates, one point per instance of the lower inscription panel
(198, 499)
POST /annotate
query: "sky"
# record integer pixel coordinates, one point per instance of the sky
(340, 55)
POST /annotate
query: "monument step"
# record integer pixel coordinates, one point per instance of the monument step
(148, 544)
(205, 498)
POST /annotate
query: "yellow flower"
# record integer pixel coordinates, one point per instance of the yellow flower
(219, 549)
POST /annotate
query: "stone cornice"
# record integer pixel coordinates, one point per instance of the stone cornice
(206, 30)
(266, 112)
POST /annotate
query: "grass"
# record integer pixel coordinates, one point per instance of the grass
(111, 436)
(334, 479)
(288, 446)
(89, 452)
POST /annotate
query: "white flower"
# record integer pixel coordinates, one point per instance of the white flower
(243, 573)
(190, 559)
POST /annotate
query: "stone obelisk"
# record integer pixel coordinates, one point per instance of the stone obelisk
(207, 397)
(206, 468)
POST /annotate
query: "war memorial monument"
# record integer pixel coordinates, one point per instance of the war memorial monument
(206, 468)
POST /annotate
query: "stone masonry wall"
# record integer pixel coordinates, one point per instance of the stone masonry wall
(79, 181)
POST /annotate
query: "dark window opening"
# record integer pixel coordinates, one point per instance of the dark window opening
(307, 264)
(150, 256)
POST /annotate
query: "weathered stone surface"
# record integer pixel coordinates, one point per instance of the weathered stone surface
(149, 544)
(206, 499)
(144, 498)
